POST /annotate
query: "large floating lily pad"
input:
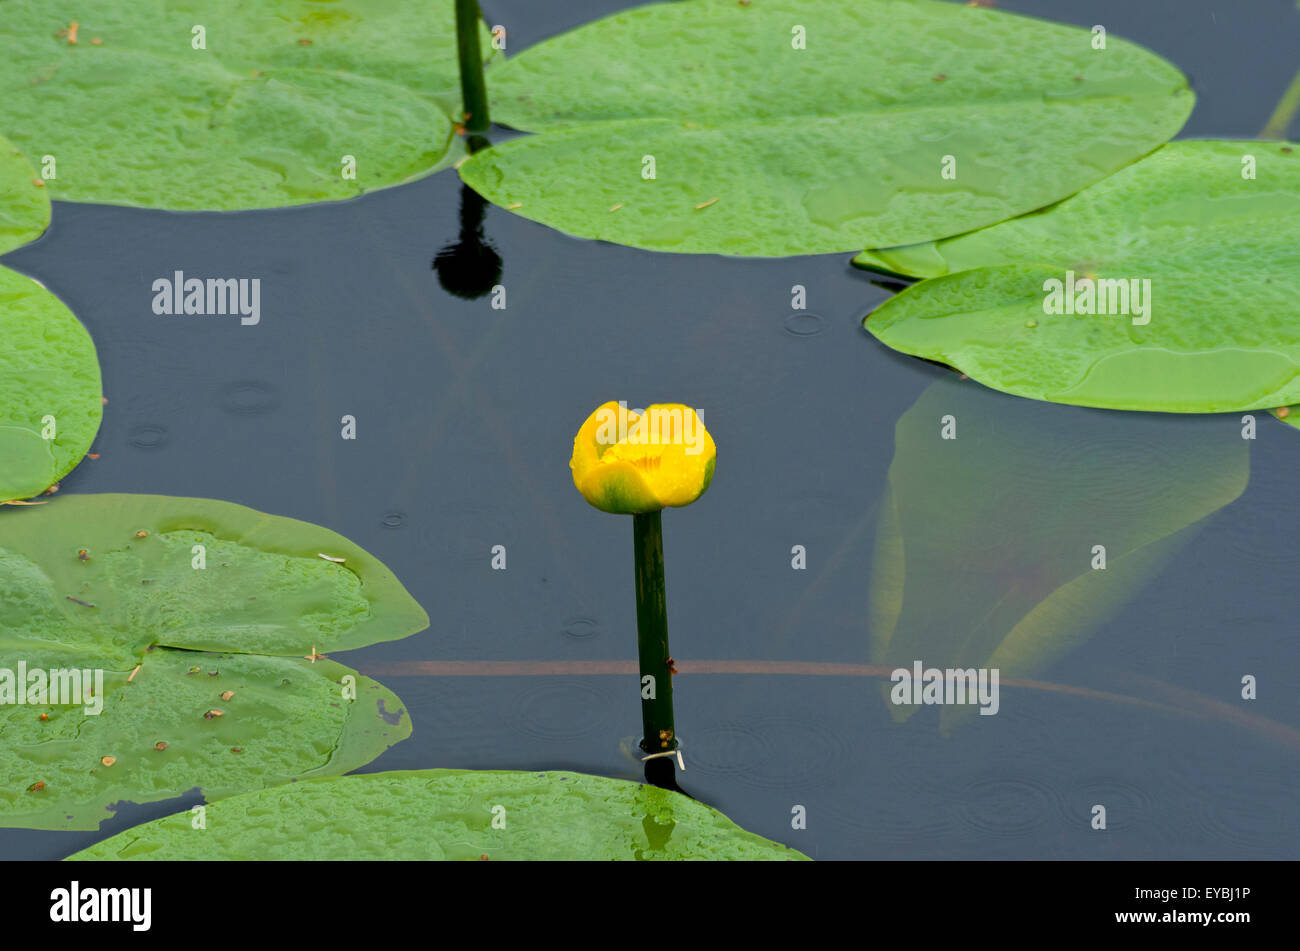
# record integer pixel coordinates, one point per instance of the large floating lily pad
(286, 718)
(448, 814)
(986, 548)
(50, 396)
(116, 582)
(764, 149)
(269, 585)
(24, 201)
(263, 116)
(1221, 253)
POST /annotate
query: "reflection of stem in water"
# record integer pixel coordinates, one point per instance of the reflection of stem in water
(658, 833)
(470, 267)
(473, 88)
(1285, 112)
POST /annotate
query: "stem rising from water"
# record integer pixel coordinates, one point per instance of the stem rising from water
(652, 648)
(473, 88)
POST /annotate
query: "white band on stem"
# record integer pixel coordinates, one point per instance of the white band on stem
(681, 764)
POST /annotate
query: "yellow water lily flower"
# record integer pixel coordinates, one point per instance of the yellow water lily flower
(631, 463)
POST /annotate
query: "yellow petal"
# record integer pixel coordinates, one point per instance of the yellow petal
(587, 445)
(620, 489)
(666, 458)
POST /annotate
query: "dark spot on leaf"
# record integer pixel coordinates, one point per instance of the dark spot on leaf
(392, 719)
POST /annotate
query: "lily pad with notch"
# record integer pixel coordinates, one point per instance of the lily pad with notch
(1205, 233)
(783, 127)
(191, 105)
(202, 628)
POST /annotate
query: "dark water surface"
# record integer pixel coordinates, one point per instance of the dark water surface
(466, 417)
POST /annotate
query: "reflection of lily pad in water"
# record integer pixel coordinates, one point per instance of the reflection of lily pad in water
(115, 583)
(261, 116)
(447, 814)
(50, 402)
(985, 549)
(761, 147)
(24, 200)
(1205, 234)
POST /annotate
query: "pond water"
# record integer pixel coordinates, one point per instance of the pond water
(465, 420)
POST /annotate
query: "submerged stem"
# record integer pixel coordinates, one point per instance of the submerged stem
(1285, 112)
(652, 648)
(473, 88)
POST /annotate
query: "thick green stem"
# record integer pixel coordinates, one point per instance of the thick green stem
(1285, 112)
(652, 644)
(473, 89)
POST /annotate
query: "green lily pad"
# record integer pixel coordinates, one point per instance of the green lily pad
(24, 201)
(449, 814)
(985, 550)
(113, 583)
(268, 585)
(764, 149)
(261, 117)
(50, 397)
(1291, 417)
(1215, 257)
